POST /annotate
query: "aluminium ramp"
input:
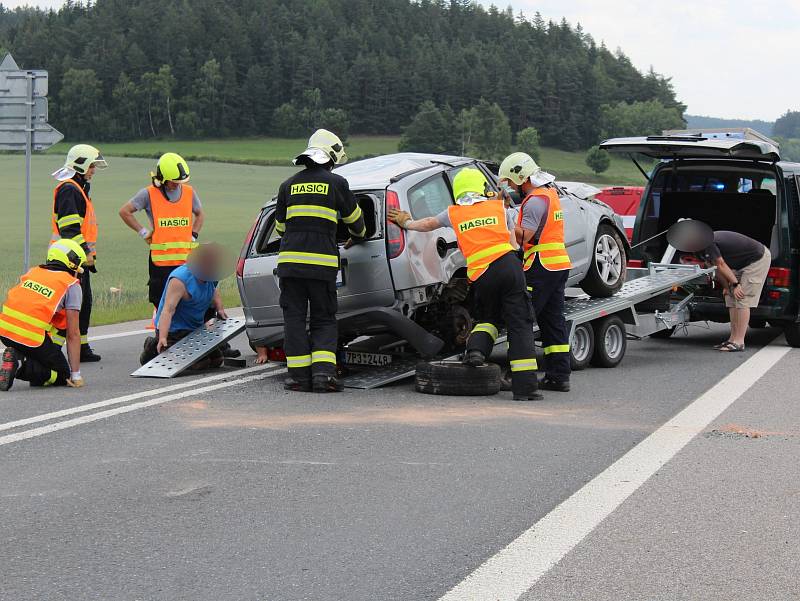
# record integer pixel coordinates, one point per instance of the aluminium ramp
(188, 351)
(660, 279)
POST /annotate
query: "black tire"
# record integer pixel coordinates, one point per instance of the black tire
(594, 284)
(664, 334)
(611, 341)
(454, 378)
(792, 333)
(581, 347)
(758, 323)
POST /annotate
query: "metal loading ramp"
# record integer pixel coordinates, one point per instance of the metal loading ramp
(188, 351)
(642, 285)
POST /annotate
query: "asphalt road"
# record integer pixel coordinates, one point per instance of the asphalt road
(231, 488)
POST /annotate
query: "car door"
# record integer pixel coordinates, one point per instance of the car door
(429, 258)
(364, 278)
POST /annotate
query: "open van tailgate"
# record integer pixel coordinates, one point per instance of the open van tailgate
(694, 147)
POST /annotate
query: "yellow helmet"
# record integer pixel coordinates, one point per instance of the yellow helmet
(67, 252)
(172, 168)
(323, 147)
(469, 179)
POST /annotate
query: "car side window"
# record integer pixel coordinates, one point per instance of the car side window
(268, 241)
(430, 197)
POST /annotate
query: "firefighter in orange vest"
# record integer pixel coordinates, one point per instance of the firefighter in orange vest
(74, 219)
(176, 218)
(485, 235)
(540, 232)
(48, 298)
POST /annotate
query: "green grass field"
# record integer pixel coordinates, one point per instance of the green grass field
(256, 151)
(231, 196)
(567, 166)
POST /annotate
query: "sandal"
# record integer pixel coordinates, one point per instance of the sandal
(731, 347)
(721, 345)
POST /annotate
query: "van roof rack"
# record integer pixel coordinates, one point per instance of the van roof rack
(728, 133)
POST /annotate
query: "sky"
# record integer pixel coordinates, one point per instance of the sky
(727, 58)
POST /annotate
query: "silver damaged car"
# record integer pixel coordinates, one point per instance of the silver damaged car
(413, 285)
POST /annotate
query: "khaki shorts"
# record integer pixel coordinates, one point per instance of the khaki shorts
(752, 279)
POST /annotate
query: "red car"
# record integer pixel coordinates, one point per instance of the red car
(625, 202)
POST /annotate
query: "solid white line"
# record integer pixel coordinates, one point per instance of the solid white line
(119, 335)
(516, 568)
(269, 369)
(93, 417)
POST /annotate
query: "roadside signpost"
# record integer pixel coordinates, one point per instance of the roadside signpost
(23, 123)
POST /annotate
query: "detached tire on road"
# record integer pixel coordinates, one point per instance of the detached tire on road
(607, 265)
(581, 347)
(610, 342)
(454, 378)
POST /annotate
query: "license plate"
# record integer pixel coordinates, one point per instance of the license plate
(374, 359)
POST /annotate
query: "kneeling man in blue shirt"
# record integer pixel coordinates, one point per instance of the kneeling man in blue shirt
(189, 297)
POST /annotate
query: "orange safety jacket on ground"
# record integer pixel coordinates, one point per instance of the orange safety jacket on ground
(88, 222)
(172, 227)
(29, 312)
(481, 233)
(550, 246)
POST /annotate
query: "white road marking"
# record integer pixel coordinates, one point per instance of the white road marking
(119, 335)
(519, 566)
(93, 417)
(269, 369)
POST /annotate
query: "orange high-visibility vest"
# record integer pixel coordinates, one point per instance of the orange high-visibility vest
(550, 246)
(29, 312)
(481, 233)
(88, 222)
(172, 227)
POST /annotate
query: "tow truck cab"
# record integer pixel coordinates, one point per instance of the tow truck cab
(732, 180)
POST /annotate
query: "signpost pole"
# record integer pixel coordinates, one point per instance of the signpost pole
(28, 152)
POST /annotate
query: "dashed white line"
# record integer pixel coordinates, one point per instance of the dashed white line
(119, 335)
(93, 417)
(519, 566)
(268, 369)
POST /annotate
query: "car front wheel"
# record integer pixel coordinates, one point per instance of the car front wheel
(606, 273)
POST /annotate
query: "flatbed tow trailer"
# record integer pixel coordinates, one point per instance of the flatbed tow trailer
(587, 317)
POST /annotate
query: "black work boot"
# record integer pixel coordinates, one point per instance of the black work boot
(88, 355)
(326, 383)
(229, 352)
(474, 358)
(549, 383)
(296, 385)
(527, 391)
(8, 368)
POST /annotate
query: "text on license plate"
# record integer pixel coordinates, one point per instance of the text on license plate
(376, 359)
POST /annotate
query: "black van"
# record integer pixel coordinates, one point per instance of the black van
(732, 181)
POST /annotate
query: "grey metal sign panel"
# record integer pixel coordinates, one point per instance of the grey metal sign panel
(185, 353)
(15, 83)
(15, 110)
(13, 137)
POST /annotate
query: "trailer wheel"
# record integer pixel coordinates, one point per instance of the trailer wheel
(457, 379)
(611, 341)
(581, 347)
